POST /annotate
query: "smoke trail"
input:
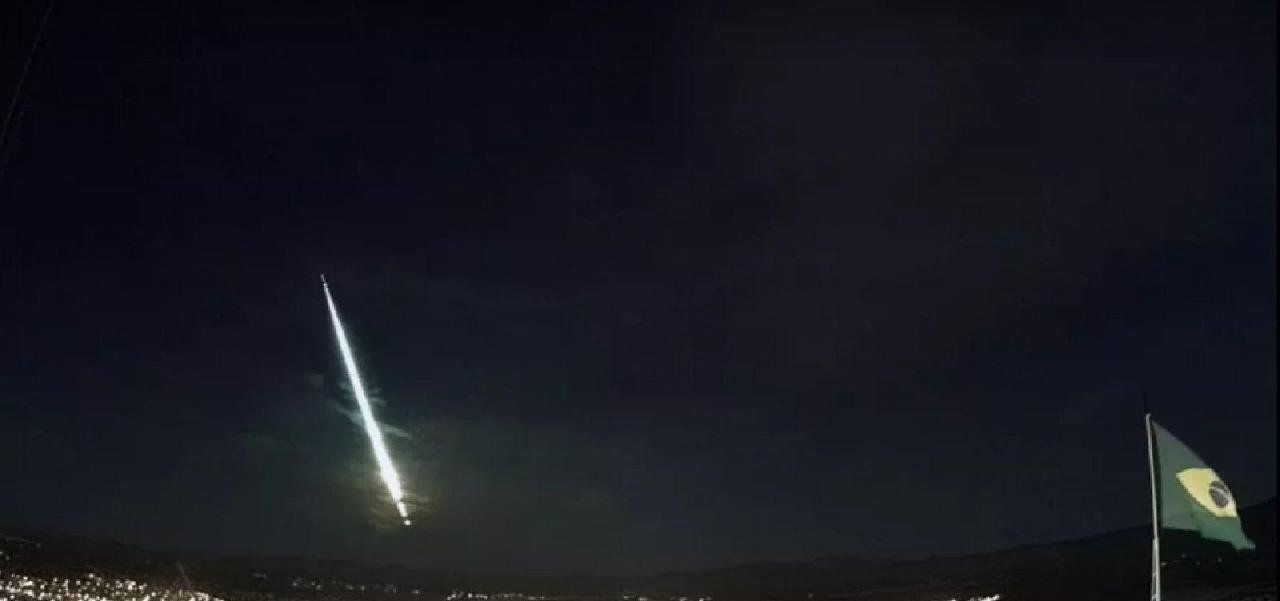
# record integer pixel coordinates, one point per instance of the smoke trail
(385, 468)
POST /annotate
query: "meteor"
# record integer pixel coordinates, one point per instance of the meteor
(386, 469)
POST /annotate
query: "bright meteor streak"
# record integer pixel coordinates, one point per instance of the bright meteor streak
(385, 468)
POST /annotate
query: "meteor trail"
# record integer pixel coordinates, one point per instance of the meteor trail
(385, 468)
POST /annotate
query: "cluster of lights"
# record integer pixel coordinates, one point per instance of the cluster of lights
(91, 587)
(465, 595)
(16, 586)
(320, 585)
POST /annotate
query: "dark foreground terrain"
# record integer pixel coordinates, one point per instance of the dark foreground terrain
(1108, 567)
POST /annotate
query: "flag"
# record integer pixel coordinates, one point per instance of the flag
(1192, 496)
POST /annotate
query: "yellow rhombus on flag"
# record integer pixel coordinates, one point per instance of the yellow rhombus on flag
(1192, 495)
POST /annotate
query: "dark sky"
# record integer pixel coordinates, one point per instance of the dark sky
(642, 287)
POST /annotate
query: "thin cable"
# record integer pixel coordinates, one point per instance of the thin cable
(9, 120)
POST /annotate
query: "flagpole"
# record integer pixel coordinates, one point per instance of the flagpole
(1155, 517)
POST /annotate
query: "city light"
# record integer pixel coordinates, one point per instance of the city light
(92, 587)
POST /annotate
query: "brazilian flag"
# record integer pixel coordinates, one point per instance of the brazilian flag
(1192, 496)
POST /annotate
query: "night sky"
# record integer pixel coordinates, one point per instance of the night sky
(642, 286)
